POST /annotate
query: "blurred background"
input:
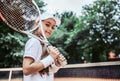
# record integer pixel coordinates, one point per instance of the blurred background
(89, 33)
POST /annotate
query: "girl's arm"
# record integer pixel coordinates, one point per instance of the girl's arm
(30, 66)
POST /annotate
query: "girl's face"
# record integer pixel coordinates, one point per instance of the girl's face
(48, 26)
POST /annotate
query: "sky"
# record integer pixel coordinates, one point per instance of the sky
(60, 6)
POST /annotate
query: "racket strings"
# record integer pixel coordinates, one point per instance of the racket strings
(21, 15)
(12, 15)
(18, 15)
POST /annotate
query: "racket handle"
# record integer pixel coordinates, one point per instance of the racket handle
(62, 62)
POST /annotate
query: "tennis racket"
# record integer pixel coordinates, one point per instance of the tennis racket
(22, 16)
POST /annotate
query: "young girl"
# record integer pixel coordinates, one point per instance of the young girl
(38, 63)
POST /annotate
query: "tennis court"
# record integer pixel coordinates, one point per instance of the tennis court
(104, 71)
(85, 79)
(71, 79)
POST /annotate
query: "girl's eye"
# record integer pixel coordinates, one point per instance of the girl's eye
(47, 25)
(53, 28)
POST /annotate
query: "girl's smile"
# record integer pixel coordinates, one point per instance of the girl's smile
(49, 26)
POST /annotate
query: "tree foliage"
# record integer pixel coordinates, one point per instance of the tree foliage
(92, 34)
(11, 45)
(103, 21)
(101, 24)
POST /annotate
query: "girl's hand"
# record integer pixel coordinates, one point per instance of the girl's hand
(61, 61)
(54, 52)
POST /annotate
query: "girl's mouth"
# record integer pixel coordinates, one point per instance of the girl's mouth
(48, 33)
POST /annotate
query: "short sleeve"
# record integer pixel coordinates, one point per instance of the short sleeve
(33, 48)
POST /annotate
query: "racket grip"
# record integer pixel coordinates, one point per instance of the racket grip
(62, 62)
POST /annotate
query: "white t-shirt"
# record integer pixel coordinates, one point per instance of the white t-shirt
(33, 48)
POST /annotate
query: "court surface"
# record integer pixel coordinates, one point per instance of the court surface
(70, 79)
(85, 79)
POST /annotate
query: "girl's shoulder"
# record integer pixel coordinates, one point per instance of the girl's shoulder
(33, 40)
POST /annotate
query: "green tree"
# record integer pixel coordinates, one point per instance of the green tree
(103, 21)
(63, 37)
(11, 45)
(92, 34)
